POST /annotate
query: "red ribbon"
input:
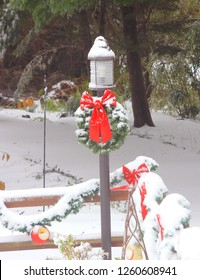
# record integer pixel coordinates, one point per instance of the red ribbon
(99, 123)
(120, 188)
(134, 176)
(143, 193)
(160, 227)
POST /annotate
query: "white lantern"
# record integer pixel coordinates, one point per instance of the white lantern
(101, 65)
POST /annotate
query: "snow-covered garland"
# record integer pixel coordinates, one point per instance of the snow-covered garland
(70, 203)
(162, 218)
(102, 122)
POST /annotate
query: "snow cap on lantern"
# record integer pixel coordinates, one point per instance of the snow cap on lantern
(40, 234)
(101, 65)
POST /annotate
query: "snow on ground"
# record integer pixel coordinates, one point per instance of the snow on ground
(173, 143)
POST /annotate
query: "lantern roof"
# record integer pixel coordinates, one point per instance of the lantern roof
(100, 50)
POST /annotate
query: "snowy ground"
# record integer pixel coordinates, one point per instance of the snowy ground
(174, 144)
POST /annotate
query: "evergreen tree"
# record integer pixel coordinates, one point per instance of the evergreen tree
(147, 26)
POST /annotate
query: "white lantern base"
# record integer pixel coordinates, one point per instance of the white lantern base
(96, 87)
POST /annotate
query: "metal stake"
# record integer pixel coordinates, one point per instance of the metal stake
(44, 147)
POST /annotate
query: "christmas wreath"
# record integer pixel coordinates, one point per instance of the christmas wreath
(102, 122)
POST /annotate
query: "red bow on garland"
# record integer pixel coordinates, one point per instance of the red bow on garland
(99, 123)
(134, 176)
(131, 177)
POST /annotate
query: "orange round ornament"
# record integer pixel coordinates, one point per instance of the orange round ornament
(40, 234)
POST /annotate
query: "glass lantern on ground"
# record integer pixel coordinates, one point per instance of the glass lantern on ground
(101, 66)
(101, 78)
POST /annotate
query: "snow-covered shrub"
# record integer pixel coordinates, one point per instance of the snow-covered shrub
(5, 156)
(174, 216)
(70, 250)
(73, 103)
(55, 105)
(178, 74)
(183, 105)
(160, 224)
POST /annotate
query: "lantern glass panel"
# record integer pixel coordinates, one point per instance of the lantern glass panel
(101, 73)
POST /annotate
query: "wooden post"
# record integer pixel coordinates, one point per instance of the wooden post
(105, 199)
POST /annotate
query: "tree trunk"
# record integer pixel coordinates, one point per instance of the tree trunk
(85, 36)
(140, 104)
(102, 16)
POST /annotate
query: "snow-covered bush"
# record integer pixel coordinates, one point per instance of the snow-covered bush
(176, 85)
(5, 156)
(183, 105)
(70, 250)
(73, 103)
(160, 224)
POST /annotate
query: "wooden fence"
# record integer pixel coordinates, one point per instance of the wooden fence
(24, 242)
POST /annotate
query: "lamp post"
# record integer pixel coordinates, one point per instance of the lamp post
(101, 77)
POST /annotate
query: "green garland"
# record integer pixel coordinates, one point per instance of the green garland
(71, 202)
(119, 126)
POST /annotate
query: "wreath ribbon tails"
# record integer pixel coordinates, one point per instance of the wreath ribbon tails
(99, 124)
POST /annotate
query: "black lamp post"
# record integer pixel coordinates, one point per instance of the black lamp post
(101, 77)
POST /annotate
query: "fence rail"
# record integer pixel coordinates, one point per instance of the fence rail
(19, 244)
(16, 202)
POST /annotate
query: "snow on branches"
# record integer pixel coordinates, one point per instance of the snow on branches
(159, 223)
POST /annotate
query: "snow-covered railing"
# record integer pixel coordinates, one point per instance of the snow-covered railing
(23, 199)
(47, 197)
(28, 198)
(64, 201)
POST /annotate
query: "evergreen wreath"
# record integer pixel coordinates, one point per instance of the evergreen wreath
(118, 121)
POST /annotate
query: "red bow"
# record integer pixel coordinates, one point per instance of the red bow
(120, 188)
(134, 176)
(143, 193)
(99, 124)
